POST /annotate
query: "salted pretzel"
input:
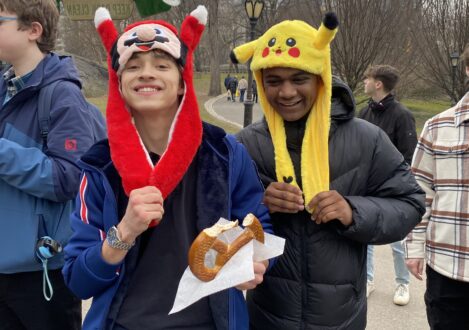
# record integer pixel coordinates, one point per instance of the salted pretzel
(208, 239)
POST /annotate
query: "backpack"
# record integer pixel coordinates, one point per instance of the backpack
(43, 114)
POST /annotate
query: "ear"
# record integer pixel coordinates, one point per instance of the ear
(181, 88)
(35, 31)
(243, 53)
(379, 84)
(467, 71)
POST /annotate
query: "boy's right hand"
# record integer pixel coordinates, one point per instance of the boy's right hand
(415, 267)
(145, 205)
(283, 197)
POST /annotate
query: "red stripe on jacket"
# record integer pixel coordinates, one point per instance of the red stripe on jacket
(83, 208)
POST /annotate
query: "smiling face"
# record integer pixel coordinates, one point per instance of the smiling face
(291, 92)
(150, 82)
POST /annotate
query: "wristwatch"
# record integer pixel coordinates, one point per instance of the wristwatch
(114, 240)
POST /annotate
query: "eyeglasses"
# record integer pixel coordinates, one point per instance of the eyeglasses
(8, 18)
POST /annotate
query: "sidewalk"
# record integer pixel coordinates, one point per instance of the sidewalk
(231, 112)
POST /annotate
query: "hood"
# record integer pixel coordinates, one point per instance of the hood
(343, 102)
(54, 67)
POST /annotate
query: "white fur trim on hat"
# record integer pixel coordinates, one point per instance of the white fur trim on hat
(101, 15)
(201, 14)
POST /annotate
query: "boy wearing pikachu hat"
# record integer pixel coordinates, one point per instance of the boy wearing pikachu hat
(333, 183)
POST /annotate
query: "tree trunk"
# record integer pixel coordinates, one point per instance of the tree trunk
(215, 86)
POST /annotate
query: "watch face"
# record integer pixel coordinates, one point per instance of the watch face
(112, 234)
(114, 241)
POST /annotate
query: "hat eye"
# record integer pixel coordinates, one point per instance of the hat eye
(291, 42)
(272, 42)
(157, 31)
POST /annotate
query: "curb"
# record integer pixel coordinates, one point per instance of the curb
(209, 108)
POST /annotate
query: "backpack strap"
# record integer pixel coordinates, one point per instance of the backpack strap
(43, 110)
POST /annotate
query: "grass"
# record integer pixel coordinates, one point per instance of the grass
(422, 109)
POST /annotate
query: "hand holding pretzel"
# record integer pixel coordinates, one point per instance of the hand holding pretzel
(208, 239)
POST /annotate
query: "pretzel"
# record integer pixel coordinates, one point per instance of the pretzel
(208, 239)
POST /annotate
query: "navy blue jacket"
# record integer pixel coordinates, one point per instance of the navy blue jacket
(37, 188)
(228, 186)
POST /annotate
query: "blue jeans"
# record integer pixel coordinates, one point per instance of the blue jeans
(241, 95)
(400, 269)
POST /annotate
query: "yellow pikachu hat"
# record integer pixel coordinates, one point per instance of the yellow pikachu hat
(296, 44)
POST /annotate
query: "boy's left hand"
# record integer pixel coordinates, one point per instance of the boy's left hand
(330, 205)
(259, 271)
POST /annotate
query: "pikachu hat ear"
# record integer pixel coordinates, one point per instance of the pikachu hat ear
(326, 31)
(243, 53)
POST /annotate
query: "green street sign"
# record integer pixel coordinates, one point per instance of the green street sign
(83, 10)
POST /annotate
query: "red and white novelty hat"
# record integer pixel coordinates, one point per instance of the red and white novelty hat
(130, 157)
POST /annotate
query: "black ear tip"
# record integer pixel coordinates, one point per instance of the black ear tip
(331, 21)
(233, 58)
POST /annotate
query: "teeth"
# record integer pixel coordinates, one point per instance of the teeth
(289, 104)
(147, 89)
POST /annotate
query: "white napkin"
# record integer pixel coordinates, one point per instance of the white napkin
(237, 270)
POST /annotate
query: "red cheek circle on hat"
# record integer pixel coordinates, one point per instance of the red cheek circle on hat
(294, 52)
(265, 52)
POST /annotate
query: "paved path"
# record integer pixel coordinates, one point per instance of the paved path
(231, 112)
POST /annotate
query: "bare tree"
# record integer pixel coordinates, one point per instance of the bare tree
(441, 29)
(370, 32)
(215, 86)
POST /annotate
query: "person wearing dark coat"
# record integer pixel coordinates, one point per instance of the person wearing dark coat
(397, 121)
(226, 82)
(333, 183)
(233, 87)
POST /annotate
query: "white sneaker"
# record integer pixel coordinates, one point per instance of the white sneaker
(370, 287)
(402, 295)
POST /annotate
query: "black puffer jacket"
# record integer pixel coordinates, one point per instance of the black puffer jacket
(396, 120)
(320, 280)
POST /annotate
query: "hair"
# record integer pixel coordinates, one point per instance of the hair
(158, 53)
(43, 12)
(465, 56)
(387, 74)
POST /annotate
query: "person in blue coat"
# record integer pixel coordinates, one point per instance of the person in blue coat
(39, 176)
(161, 178)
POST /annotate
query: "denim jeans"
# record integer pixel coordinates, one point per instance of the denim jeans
(400, 269)
(241, 95)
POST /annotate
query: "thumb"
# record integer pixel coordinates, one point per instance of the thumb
(420, 267)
